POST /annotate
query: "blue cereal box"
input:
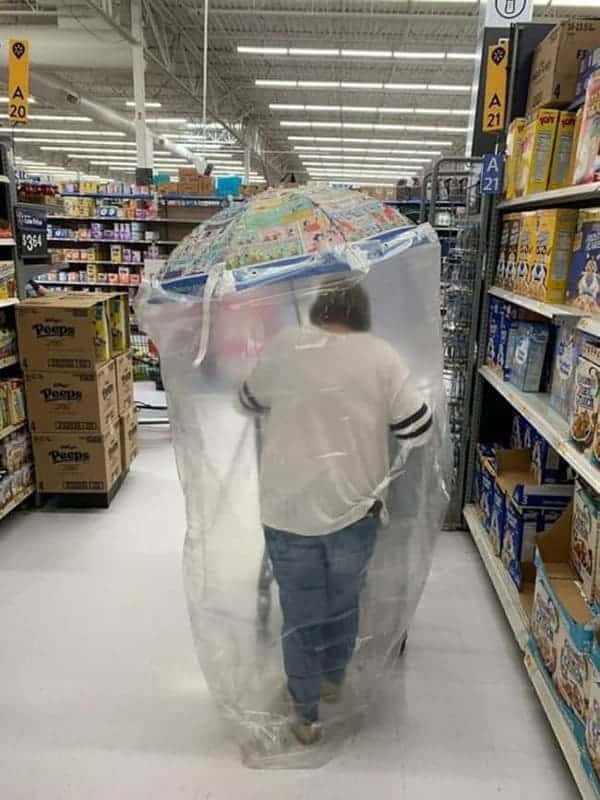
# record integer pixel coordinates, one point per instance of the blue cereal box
(498, 519)
(583, 288)
(566, 354)
(592, 725)
(522, 524)
(486, 497)
(494, 332)
(585, 540)
(530, 344)
(546, 464)
(508, 325)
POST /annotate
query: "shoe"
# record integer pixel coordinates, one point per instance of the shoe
(307, 733)
(331, 692)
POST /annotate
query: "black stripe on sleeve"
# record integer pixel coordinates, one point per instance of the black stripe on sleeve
(406, 423)
(249, 401)
(416, 433)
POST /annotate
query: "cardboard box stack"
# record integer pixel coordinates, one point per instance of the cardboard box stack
(74, 351)
(190, 182)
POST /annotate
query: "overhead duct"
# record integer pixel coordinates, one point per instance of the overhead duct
(57, 93)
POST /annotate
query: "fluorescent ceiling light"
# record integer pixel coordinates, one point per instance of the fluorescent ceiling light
(166, 120)
(268, 51)
(319, 84)
(261, 82)
(361, 85)
(5, 99)
(287, 106)
(449, 87)
(338, 157)
(417, 142)
(59, 118)
(461, 56)
(368, 126)
(407, 87)
(437, 54)
(147, 104)
(367, 53)
(306, 151)
(370, 109)
(66, 132)
(47, 140)
(313, 51)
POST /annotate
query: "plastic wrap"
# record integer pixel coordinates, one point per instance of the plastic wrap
(233, 603)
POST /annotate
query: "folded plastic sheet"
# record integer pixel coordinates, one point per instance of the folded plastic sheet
(237, 624)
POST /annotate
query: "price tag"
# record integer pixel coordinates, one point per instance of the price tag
(33, 243)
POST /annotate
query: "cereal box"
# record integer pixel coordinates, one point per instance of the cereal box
(555, 230)
(486, 498)
(503, 251)
(583, 288)
(589, 64)
(559, 619)
(587, 160)
(537, 147)
(522, 524)
(592, 724)
(586, 396)
(491, 357)
(498, 518)
(514, 139)
(520, 433)
(573, 158)
(546, 464)
(526, 251)
(513, 250)
(585, 539)
(527, 365)
(566, 354)
(508, 325)
(563, 145)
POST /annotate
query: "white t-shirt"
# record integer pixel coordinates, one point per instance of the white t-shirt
(330, 400)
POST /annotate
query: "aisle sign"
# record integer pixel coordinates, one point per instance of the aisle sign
(492, 173)
(503, 13)
(494, 99)
(18, 81)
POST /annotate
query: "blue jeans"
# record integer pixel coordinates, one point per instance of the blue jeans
(320, 579)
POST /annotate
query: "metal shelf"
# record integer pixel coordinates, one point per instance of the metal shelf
(160, 220)
(8, 301)
(104, 241)
(16, 501)
(506, 590)
(535, 407)
(115, 286)
(555, 312)
(7, 242)
(570, 194)
(111, 263)
(108, 196)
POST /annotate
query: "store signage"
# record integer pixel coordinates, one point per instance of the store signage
(18, 81)
(32, 238)
(503, 13)
(492, 173)
(494, 97)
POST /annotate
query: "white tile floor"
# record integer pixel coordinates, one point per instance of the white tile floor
(101, 695)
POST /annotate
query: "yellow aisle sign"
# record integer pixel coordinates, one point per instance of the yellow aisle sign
(18, 81)
(496, 73)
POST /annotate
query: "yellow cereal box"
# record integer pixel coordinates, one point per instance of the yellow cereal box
(555, 230)
(563, 147)
(514, 138)
(501, 277)
(573, 159)
(537, 146)
(525, 252)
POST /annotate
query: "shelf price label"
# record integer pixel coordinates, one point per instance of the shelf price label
(32, 236)
(494, 98)
(18, 81)
(492, 173)
(32, 243)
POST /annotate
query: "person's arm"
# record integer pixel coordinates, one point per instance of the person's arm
(410, 415)
(256, 392)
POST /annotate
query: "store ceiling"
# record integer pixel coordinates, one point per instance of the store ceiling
(361, 89)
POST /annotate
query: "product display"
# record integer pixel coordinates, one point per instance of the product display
(587, 160)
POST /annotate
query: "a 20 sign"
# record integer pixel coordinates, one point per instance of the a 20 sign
(18, 81)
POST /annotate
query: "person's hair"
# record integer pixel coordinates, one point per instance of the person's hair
(342, 302)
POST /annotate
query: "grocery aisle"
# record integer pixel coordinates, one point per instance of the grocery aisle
(101, 696)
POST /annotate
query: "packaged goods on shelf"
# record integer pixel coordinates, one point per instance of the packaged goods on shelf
(8, 340)
(514, 138)
(74, 401)
(494, 332)
(553, 251)
(15, 450)
(589, 64)
(586, 396)
(12, 403)
(521, 433)
(537, 147)
(563, 148)
(585, 539)
(592, 725)
(555, 65)
(573, 159)
(583, 287)
(501, 264)
(514, 236)
(587, 160)
(7, 280)
(559, 619)
(73, 462)
(529, 355)
(566, 354)
(70, 331)
(525, 252)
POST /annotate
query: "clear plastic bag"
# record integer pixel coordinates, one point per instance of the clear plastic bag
(233, 602)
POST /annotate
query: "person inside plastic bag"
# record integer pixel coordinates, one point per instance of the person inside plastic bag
(331, 393)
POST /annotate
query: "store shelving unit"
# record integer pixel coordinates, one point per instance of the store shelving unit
(494, 396)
